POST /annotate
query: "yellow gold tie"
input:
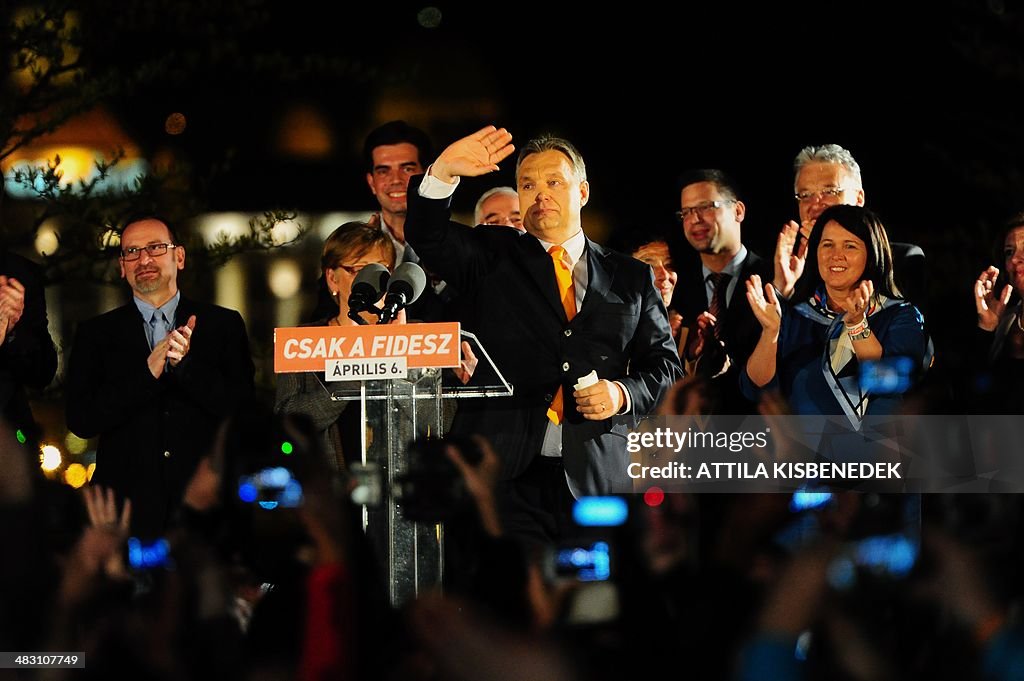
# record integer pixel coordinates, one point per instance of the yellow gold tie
(567, 294)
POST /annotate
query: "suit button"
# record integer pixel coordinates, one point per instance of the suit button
(565, 366)
(567, 332)
(548, 397)
(167, 455)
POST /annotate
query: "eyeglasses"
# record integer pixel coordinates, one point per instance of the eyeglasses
(827, 193)
(154, 250)
(703, 209)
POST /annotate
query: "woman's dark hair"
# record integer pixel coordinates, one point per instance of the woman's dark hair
(866, 226)
(1016, 221)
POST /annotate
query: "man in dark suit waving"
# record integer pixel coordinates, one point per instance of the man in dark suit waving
(154, 378)
(551, 307)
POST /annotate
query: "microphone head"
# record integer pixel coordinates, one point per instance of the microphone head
(409, 279)
(370, 284)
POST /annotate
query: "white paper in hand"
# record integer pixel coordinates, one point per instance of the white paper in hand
(587, 381)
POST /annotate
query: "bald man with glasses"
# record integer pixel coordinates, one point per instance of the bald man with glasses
(154, 378)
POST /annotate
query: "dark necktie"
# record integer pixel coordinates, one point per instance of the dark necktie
(720, 285)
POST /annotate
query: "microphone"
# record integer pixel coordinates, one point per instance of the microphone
(406, 285)
(367, 288)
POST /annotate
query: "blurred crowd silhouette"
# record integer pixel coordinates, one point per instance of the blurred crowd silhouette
(701, 586)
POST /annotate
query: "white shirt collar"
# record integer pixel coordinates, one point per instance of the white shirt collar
(733, 267)
(574, 246)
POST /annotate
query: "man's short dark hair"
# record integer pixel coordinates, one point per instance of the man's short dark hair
(397, 132)
(552, 143)
(725, 184)
(632, 240)
(140, 217)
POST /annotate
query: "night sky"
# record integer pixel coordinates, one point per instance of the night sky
(925, 99)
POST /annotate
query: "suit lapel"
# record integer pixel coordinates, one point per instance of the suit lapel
(738, 305)
(132, 328)
(691, 297)
(541, 272)
(186, 308)
(600, 272)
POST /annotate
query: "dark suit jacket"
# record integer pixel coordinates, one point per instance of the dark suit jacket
(510, 300)
(993, 373)
(152, 433)
(740, 328)
(908, 265)
(27, 355)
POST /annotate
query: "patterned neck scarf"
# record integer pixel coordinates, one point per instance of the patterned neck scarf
(839, 361)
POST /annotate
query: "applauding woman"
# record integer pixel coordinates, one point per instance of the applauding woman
(1001, 330)
(845, 310)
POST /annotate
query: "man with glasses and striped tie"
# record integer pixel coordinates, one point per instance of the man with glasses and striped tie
(721, 329)
(154, 378)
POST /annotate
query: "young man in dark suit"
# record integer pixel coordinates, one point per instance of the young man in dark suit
(551, 307)
(721, 328)
(155, 378)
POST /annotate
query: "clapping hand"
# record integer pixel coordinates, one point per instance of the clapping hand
(12, 304)
(990, 307)
(790, 258)
(699, 340)
(179, 340)
(766, 305)
(857, 302)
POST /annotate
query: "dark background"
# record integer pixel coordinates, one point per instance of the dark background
(924, 95)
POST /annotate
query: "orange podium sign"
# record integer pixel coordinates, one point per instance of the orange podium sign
(357, 353)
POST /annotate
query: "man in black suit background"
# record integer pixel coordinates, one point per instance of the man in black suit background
(721, 328)
(550, 306)
(154, 378)
(27, 355)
